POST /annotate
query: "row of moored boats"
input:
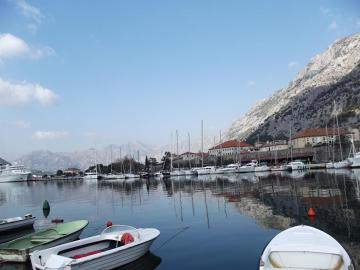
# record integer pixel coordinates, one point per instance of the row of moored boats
(56, 248)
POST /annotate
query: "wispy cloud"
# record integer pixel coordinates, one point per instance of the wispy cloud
(324, 11)
(251, 83)
(358, 23)
(22, 124)
(12, 46)
(333, 25)
(50, 135)
(30, 12)
(19, 94)
(292, 64)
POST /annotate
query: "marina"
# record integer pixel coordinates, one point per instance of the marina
(244, 210)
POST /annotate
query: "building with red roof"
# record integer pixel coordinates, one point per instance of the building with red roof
(229, 148)
(317, 136)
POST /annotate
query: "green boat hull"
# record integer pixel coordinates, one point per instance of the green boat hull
(19, 249)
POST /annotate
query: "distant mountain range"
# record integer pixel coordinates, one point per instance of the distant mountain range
(307, 101)
(48, 161)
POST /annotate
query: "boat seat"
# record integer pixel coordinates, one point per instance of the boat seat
(305, 260)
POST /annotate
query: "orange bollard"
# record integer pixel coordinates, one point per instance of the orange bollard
(311, 212)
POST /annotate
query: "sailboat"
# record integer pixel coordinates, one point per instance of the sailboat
(131, 175)
(355, 159)
(297, 164)
(259, 167)
(208, 169)
(342, 163)
(190, 171)
(177, 172)
(92, 174)
(113, 175)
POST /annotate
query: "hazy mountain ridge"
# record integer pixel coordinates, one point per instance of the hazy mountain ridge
(331, 75)
(45, 160)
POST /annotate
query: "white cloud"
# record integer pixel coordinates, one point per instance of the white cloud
(324, 11)
(22, 124)
(12, 46)
(17, 94)
(50, 135)
(292, 64)
(251, 83)
(29, 11)
(333, 25)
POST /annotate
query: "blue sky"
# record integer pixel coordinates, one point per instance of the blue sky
(79, 74)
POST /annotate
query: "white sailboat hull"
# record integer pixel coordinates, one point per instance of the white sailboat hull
(264, 168)
(342, 164)
(355, 161)
(329, 165)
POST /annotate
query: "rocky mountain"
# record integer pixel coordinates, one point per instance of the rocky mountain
(45, 160)
(308, 100)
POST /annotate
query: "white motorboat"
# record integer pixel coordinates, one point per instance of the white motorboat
(131, 175)
(249, 167)
(296, 165)
(279, 168)
(113, 176)
(262, 168)
(114, 247)
(355, 160)
(303, 247)
(190, 172)
(10, 224)
(90, 175)
(13, 173)
(330, 165)
(231, 168)
(177, 173)
(342, 164)
(206, 170)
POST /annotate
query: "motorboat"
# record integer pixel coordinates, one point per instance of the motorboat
(206, 170)
(113, 176)
(14, 173)
(177, 173)
(158, 175)
(355, 160)
(231, 168)
(249, 167)
(115, 246)
(304, 247)
(90, 175)
(190, 172)
(18, 250)
(342, 164)
(262, 168)
(15, 223)
(279, 168)
(296, 165)
(329, 165)
(131, 175)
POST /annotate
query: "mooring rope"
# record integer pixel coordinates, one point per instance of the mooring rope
(172, 237)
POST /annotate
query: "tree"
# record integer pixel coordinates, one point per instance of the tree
(166, 161)
(147, 164)
(59, 173)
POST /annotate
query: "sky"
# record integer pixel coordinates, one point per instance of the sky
(81, 74)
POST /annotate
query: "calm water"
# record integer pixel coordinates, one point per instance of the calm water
(221, 222)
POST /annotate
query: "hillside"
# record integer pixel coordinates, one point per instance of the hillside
(308, 99)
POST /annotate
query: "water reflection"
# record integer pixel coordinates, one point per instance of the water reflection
(245, 210)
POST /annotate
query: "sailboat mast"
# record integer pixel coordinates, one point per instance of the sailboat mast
(338, 131)
(111, 166)
(291, 152)
(177, 148)
(171, 150)
(221, 149)
(202, 143)
(189, 149)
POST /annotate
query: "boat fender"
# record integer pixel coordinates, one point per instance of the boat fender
(311, 212)
(109, 224)
(57, 220)
(126, 238)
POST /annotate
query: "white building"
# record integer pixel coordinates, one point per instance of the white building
(274, 146)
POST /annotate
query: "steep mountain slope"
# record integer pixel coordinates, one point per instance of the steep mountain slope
(308, 99)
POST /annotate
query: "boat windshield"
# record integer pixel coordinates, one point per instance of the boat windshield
(305, 260)
(118, 228)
